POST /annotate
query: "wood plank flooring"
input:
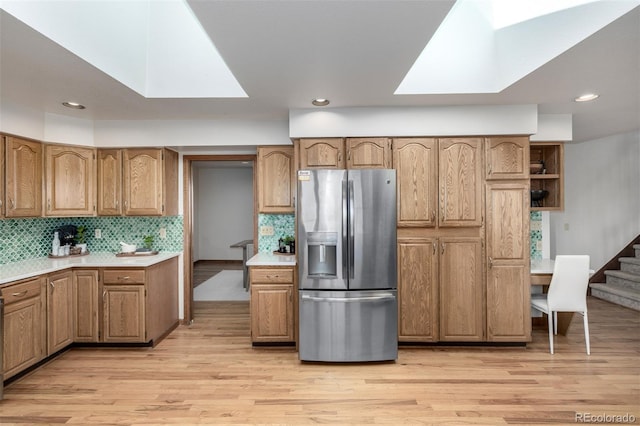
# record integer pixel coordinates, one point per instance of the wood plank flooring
(208, 372)
(205, 269)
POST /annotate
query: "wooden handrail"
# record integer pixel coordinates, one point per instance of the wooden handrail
(614, 263)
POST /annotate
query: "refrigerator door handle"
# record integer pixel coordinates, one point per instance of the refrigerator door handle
(345, 218)
(352, 231)
(349, 299)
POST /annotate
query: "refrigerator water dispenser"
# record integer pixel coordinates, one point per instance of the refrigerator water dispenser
(321, 253)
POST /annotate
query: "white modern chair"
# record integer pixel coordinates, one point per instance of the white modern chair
(567, 293)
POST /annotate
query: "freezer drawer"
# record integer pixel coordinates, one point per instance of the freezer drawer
(348, 326)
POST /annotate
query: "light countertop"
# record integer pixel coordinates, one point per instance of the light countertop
(44, 265)
(270, 259)
(542, 266)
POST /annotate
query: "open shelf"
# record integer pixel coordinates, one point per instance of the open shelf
(551, 178)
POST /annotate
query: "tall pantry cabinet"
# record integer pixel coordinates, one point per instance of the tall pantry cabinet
(507, 239)
(458, 281)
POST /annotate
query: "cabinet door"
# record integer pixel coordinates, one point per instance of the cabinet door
(461, 290)
(508, 272)
(276, 179)
(85, 306)
(272, 313)
(23, 178)
(507, 157)
(322, 153)
(24, 327)
(109, 182)
(368, 153)
(417, 290)
(1, 176)
(142, 170)
(415, 161)
(70, 181)
(460, 181)
(59, 312)
(170, 180)
(123, 313)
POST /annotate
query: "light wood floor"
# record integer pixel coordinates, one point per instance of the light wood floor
(205, 269)
(209, 373)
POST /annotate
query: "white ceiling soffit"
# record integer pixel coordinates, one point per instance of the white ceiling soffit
(471, 53)
(156, 48)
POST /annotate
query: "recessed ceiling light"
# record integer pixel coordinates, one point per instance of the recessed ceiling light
(320, 102)
(586, 98)
(73, 105)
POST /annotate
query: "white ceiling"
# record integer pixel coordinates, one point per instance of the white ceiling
(354, 52)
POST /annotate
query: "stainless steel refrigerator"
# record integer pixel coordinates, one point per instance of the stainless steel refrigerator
(347, 265)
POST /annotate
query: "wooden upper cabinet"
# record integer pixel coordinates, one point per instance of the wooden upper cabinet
(2, 176)
(276, 179)
(507, 157)
(416, 164)
(109, 182)
(23, 194)
(508, 272)
(326, 153)
(460, 182)
(150, 182)
(368, 153)
(70, 180)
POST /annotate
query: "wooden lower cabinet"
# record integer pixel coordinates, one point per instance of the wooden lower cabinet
(86, 326)
(418, 290)
(461, 290)
(123, 318)
(24, 327)
(139, 305)
(59, 311)
(440, 289)
(272, 305)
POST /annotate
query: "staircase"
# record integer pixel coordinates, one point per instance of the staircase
(623, 286)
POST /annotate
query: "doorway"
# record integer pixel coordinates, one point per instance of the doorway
(219, 211)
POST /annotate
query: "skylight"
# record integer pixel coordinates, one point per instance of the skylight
(510, 12)
(482, 48)
(156, 48)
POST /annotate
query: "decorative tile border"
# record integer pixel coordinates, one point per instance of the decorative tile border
(283, 225)
(535, 230)
(28, 238)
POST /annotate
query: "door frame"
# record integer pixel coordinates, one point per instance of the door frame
(187, 200)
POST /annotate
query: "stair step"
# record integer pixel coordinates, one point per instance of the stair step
(630, 264)
(636, 247)
(623, 279)
(619, 295)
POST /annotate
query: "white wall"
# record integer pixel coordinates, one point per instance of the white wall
(224, 211)
(601, 198)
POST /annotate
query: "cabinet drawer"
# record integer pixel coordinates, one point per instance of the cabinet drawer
(16, 292)
(124, 276)
(272, 275)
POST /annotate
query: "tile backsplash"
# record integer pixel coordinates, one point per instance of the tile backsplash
(535, 230)
(283, 225)
(27, 238)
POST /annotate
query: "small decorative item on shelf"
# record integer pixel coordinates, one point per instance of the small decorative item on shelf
(290, 244)
(147, 242)
(537, 168)
(281, 246)
(81, 240)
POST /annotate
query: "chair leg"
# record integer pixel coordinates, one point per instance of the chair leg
(550, 321)
(586, 332)
(555, 323)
